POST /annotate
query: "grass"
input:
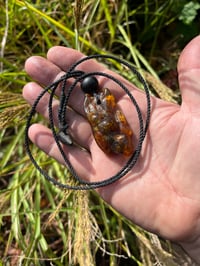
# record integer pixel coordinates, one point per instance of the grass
(39, 223)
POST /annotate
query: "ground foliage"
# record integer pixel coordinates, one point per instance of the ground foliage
(39, 223)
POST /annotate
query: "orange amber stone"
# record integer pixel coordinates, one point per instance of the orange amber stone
(110, 127)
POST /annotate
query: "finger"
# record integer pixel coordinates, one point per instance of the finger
(81, 160)
(60, 59)
(30, 93)
(189, 73)
(64, 58)
(79, 128)
(45, 73)
(42, 70)
(36, 65)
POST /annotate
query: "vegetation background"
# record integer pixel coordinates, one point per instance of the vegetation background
(39, 223)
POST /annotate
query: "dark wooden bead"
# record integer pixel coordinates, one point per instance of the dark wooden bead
(90, 85)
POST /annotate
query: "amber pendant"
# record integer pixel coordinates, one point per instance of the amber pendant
(109, 125)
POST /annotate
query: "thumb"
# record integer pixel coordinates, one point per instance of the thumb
(189, 75)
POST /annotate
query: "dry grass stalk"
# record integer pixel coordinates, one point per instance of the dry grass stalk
(83, 230)
(12, 115)
(164, 92)
(66, 194)
(78, 5)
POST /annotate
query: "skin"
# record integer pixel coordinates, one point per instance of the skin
(162, 192)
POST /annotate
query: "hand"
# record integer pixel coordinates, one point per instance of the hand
(162, 192)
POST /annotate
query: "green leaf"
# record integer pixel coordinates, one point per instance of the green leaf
(189, 12)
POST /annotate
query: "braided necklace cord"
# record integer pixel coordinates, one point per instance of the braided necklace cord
(63, 126)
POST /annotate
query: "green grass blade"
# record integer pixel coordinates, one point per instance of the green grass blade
(106, 8)
(57, 24)
(10, 148)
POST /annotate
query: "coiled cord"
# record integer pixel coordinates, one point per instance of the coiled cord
(63, 137)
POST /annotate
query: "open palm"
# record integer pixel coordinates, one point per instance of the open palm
(163, 189)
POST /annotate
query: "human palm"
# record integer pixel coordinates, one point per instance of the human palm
(162, 192)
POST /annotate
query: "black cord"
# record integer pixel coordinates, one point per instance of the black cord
(63, 137)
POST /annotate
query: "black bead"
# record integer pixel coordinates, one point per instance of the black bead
(90, 85)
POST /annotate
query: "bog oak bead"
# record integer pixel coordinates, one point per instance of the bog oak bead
(90, 85)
